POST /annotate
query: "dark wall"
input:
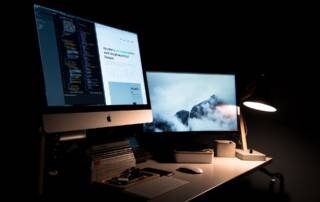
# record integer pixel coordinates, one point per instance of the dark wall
(277, 40)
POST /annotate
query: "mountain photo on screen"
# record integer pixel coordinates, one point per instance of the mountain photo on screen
(192, 102)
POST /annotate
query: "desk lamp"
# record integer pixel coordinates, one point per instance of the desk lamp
(258, 98)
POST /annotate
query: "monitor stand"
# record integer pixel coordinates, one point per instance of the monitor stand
(64, 136)
(73, 135)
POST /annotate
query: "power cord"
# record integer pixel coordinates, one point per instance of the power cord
(274, 177)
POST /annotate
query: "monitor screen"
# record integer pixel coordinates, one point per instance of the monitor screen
(88, 66)
(87, 63)
(196, 102)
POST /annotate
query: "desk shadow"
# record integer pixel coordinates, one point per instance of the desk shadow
(242, 190)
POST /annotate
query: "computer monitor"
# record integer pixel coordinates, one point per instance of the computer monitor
(92, 74)
(192, 102)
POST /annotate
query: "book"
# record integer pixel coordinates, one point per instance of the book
(110, 159)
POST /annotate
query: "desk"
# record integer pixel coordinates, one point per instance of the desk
(219, 172)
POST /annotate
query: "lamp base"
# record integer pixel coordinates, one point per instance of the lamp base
(250, 155)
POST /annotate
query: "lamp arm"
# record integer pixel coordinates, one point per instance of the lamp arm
(243, 153)
(243, 132)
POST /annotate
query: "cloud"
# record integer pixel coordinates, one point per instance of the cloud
(170, 93)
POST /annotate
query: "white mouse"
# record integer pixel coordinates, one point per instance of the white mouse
(190, 169)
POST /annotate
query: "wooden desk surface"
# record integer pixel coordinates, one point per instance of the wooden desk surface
(217, 173)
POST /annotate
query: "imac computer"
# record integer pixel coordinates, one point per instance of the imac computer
(92, 74)
(192, 102)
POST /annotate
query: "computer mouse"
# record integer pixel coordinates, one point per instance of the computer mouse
(190, 169)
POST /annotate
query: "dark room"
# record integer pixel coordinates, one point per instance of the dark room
(162, 101)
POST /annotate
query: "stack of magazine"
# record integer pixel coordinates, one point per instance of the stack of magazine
(110, 159)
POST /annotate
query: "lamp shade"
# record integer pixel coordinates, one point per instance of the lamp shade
(258, 96)
(259, 106)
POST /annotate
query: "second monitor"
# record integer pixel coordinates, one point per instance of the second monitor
(192, 102)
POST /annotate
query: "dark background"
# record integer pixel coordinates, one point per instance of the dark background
(278, 40)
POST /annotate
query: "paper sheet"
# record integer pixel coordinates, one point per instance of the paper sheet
(156, 187)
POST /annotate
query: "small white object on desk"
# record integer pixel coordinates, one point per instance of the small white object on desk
(250, 155)
(225, 148)
(203, 156)
(190, 169)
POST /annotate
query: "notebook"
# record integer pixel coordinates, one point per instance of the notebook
(155, 187)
